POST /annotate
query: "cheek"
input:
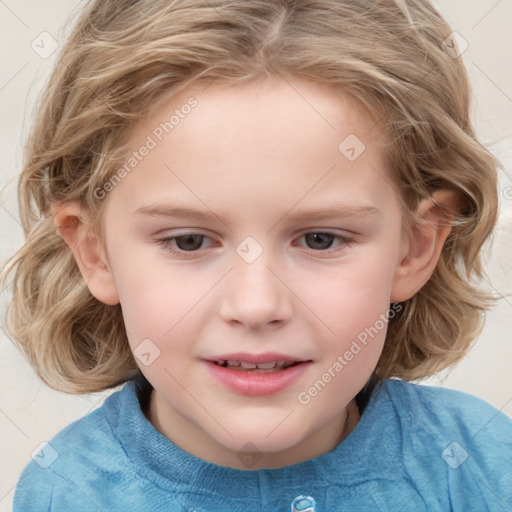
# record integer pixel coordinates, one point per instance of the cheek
(157, 301)
(354, 307)
(350, 297)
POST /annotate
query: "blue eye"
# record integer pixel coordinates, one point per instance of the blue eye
(189, 243)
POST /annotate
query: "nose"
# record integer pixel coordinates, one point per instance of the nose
(254, 294)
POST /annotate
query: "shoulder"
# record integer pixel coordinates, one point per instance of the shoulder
(84, 451)
(456, 439)
(443, 408)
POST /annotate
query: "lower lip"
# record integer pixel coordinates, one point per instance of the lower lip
(257, 384)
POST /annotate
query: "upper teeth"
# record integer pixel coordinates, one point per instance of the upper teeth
(263, 366)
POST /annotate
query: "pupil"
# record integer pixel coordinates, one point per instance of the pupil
(319, 236)
(188, 239)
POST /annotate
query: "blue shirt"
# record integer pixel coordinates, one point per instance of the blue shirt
(416, 448)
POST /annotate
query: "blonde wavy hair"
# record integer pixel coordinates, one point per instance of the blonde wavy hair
(123, 56)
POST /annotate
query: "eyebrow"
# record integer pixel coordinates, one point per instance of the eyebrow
(336, 211)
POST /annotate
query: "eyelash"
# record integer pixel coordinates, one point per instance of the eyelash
(166, 242)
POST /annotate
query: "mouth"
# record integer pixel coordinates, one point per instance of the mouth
(243, 366)
(256, 374)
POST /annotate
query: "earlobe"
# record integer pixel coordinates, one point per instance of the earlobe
(423, 247)
(72, 225)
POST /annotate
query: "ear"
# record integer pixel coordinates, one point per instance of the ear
(73, 226)
(421, 251)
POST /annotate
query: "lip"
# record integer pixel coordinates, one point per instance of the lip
(254, 383)
(265, 357)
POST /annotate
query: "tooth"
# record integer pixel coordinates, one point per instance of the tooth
(221, 362)
(233, 363)
(247, 365)
(273, 364)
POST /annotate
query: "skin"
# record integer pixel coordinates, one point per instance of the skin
(253, 155)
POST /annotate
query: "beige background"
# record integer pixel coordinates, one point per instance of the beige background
(31, 413)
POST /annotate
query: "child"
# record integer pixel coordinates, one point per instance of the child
(262, 369)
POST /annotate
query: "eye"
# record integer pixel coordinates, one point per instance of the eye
(321, 241)
(189, 243)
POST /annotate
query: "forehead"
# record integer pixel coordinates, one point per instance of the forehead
(263, 104)
(278, 141)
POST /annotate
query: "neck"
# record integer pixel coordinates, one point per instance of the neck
(198, 443)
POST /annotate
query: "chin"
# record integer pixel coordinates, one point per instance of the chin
(259, 440)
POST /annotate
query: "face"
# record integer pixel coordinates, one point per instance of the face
(289, 255)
